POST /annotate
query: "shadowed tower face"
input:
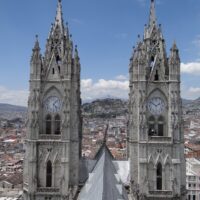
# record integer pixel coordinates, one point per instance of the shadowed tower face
(156, 147)
(51, 164)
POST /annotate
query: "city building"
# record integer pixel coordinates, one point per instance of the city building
(193, 178)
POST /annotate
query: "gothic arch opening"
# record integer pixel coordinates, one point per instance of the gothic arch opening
(49, 174)
(152, 128)
(57, 123)
(156, 78)
(159, 177)
(161, 126)
(48, 124)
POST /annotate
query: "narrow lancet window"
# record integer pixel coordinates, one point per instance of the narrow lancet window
(49, 174)
(159, 177)
(48, 124)
(152, 128)
(57, 124)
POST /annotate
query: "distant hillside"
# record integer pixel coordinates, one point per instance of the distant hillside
(12, 108)
(11, 112)
(115, 107)
(105, 108)
(191, 105)
(98, 108)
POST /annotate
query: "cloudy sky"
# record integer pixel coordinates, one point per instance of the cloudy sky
(105, 32)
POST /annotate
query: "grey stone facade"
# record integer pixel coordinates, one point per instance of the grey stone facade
(53, 144)
(54, 118)
(156, 139)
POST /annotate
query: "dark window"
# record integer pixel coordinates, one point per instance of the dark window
(156, 76)
(53, 71)
(49, 174)
(48, 124)
(189, 197)
(160, 126)
(57, 124)
(159, 176)
(152, 128)
(194, 197)
(57, 58)
(152, 62)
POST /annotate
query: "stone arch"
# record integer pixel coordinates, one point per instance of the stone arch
(159, 160)
(51, 91)
(157, 91)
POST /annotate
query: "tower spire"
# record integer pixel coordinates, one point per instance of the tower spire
(152, 17)
(59, 17)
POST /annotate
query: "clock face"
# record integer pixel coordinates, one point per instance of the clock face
(156, 105)
(53, 104)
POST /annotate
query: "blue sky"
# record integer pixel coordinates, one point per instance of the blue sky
(105, 31)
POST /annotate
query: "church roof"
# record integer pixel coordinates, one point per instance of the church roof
(103, 183)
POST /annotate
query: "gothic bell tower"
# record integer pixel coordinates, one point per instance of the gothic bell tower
(51, 164)
(156, 139)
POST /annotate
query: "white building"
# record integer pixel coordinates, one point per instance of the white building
(193, 178)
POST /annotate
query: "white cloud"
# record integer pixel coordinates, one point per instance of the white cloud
(15, 97)
(194, 90)
(121, 78)
(196, 41)
(90, 90)
(191, 68)
(104, 88)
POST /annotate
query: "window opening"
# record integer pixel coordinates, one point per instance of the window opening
(48, 124)
(49, 174)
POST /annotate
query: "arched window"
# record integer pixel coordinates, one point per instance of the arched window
(159, 177)
(160, 126)
(152, 128)
(49, 174)
(156, 78)
(57, 125)
(152, 62)
(48, 124)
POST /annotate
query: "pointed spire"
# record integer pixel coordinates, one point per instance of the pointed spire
(174, 47)
(152, 17)
(37, 45)
(59, 16)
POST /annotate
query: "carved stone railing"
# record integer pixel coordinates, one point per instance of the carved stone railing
(161, 193)
(48, 189)
(160, 139)
(49, 137)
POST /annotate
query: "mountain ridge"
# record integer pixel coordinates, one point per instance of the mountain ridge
(107, 107)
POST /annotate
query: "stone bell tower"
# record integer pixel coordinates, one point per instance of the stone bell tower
(51, 164)
(156, 139)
